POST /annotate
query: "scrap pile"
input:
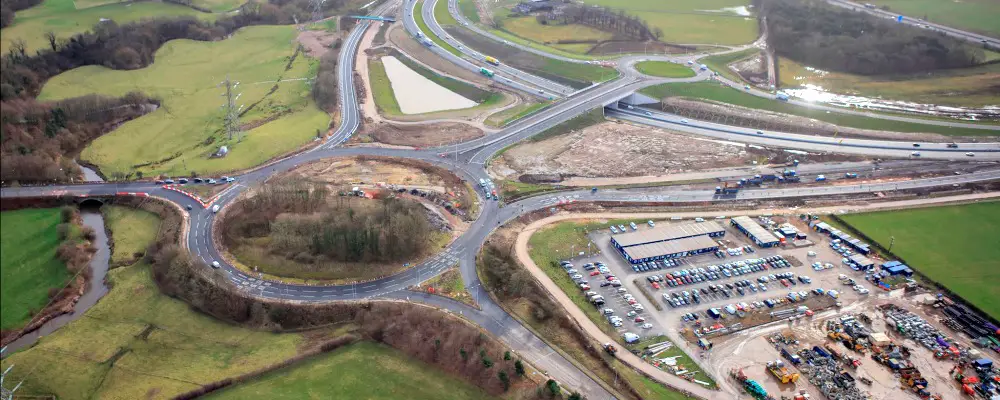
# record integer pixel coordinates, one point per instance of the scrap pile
(915, 328)
(984, 383)
(751, 386)
(830, 378)
(962, 319)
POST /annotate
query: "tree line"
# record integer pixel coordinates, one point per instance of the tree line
(605, 19)
(39, 140)
(835, 39)
(9, 7)
(305, 224)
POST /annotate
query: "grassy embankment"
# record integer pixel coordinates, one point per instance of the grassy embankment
(724, 94)
(664, 69)
(67, 17)
(682, 22)
(560, 241)
(359, 371)
(577, 75)
(180, 136)
(954, 245)
(29, 267)
(975, 15)
(418, 17)
(468, 9)
(133, 231)
(970, 87)
(508, 116)
(720, 63)
(385, 96)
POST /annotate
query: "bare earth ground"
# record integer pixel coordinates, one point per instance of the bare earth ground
(317, 43)
(801, 124)
(621, 150)
(424, 135)
(400, 39)
(367, 173)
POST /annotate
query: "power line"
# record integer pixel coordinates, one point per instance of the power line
(317, 9)
(232, 118)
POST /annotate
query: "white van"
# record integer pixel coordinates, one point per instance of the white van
(215, 264)
(215, 208)
(699, 219)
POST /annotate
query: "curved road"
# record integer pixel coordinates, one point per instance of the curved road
(464, 249)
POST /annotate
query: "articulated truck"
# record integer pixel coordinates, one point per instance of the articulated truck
(492, 60)
(486, 72)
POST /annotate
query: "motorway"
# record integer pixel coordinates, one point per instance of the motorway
(991, 42)
(468, 163)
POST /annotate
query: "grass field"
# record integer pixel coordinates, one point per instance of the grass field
(720, 63)
(442, 15)
(664, 69)
(505, 117)
(468, 9)
(960, 87)
(682, 21)
(527, 27)
(133, 230)
(974, 15)
(29, 267)
(66, 18)
(955, 246)
(181, 135)
(560, 241)
(359, 371)
(725, 94)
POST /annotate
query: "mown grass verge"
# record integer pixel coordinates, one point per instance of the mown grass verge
(724, 94)
(418, 17)
(508, 116)
(720, 63)
(664, 69)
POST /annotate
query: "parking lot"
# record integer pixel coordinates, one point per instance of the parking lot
(741, 278)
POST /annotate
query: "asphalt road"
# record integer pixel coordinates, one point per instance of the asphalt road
(975, 38)
(466, 160)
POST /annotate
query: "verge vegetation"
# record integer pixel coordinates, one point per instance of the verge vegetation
(720, 63)
(954, 246)
(510, 115)
(724, 94)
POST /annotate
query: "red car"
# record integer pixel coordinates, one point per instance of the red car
(595, 273)
(656, 285)
(784, 282)
(610, 277)
(640, 319)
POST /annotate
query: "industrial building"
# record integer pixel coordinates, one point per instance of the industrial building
(897, 268)
(668, 241)
(762, 237)
(666, 233)
(861, 262)
(847, 240)
(669, 249)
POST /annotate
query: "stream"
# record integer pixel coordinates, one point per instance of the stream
(95, 287)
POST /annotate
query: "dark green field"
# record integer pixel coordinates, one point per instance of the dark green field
(28, 263)
(956, 246)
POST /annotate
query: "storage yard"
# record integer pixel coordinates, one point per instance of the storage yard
(785, 308)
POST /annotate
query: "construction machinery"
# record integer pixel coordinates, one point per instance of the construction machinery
(751, 386)
(778, 369)
(610, 348)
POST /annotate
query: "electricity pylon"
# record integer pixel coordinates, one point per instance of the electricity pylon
(232, 118)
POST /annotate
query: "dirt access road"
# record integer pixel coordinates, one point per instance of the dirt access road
(523, 256)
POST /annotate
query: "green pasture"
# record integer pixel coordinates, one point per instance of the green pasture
(180, 136)
(664, 69)
(133, 230)
(974, 15)
(28, 265)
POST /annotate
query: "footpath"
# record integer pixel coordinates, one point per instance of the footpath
(523, 256)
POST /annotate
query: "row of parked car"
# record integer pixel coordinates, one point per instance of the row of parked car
(657, 265)
(739, 309)
(731, 289)
(182, 181)
(621, 227)
(597, 269)
(715, 272)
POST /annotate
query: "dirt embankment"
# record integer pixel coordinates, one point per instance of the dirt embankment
(424, 135)
(622, 150)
